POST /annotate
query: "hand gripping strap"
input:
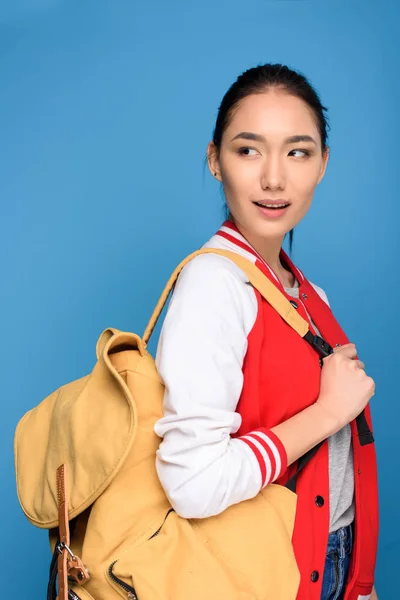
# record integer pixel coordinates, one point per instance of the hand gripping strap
(267, 289)
(278, 301)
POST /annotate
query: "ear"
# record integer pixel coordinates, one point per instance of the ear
(213, 162)
(325, 159)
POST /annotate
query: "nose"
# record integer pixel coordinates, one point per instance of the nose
(273, 174)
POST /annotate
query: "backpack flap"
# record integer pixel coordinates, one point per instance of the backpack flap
(88, 425)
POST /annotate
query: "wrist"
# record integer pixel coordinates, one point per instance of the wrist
(306, 429)
(326, 421)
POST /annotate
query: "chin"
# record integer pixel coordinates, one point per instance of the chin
(262, 227)
(268, 229)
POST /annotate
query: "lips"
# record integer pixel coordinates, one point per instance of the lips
(272, 204)
(272, 209)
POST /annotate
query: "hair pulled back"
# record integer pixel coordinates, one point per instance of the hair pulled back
(259, 80)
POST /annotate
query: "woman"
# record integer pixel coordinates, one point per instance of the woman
(245, 395)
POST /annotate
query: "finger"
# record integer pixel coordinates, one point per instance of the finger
(339, 347)
(359, 364)
(349, 350)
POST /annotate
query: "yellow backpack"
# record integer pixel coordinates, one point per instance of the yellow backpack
(85, 459)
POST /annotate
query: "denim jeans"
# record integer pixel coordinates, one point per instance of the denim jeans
(338, 554)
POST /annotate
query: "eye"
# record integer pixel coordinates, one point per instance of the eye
(245, 151)
(302, 152)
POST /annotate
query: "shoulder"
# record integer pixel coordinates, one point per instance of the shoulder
(212, 286)
(212, 268)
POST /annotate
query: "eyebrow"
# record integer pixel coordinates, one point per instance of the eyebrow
(256, 137)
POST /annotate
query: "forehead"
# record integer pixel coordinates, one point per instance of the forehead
(274, 113)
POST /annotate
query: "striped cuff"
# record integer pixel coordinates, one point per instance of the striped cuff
(269, 452)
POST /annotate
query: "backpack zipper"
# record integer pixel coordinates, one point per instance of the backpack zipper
(131, 592)
(127, 588)
(162, 525)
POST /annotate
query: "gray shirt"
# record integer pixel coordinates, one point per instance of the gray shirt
(341, 469)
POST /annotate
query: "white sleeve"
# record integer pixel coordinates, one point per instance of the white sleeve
(200, 354)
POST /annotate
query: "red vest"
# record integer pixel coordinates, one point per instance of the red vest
(281, 378)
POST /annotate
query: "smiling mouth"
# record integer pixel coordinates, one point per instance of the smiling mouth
(272, 206)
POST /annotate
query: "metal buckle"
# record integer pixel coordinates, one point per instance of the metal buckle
(62, 546)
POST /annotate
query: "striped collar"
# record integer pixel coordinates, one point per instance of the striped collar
(229, 232)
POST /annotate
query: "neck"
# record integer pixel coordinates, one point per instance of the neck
(269, 250)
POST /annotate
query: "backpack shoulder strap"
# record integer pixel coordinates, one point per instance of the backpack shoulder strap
(258, 280)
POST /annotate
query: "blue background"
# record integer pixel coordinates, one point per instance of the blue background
(106, 109)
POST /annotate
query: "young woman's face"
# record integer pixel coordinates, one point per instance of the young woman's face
(271, 151)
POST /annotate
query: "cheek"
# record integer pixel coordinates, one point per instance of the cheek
(238, 181)
(304, 181)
